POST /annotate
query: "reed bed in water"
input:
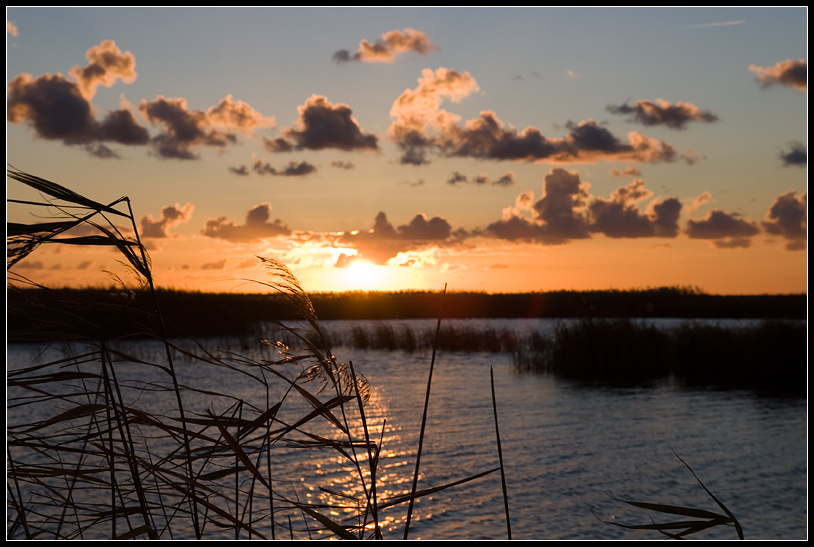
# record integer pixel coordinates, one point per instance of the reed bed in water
(769, 355)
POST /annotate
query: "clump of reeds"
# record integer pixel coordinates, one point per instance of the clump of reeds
(87, 460)
(770, 355)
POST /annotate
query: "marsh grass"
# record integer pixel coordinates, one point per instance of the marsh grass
(103, 444)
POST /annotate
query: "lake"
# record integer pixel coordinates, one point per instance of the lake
(566, 445)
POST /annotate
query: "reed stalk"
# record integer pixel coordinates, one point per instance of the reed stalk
(424, 419)
(500, 457)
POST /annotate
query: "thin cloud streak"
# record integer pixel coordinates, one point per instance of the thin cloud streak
(720, 24)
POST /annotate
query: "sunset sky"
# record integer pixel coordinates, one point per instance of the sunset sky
(492, 149)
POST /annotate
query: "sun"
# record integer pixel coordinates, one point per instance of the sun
(361, 275)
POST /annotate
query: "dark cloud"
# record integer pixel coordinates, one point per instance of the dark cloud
(797, 156)
(342, 165)
(172, 215)
(555, 218)
(787, 217)
(421, 127)
(293, 169)
(60, 109)
(323, 125)
(257, 226)
(242, 171)
(185, 128)
(505, 180)
(101, 151)
(729, 228)
(387, 47)
(619, 216)
(789, 72)
(661, 112)
(665, 216)
(564, 213)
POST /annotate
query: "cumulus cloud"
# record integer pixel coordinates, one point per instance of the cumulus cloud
(256, 226)
(789, 72)
(342, 165)
(619, 216)
(171, 215)
(384, 242)
(730, 229)
(385, 49)
(417, 110)
(506, 179)
(661, 112)
(293, 169)
(322, 125)
(566, 212)
(787, 217)
(107, 64)
(555, 218)
(11, 28)
(629, 171)
(422, 127)
(185, 128)
(797, 156)
(60, 109)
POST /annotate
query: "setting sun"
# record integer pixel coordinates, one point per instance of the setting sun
(363, 276)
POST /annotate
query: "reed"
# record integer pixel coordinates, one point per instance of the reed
(105, 444)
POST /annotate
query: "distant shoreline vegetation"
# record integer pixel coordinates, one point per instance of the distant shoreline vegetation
(190, 313)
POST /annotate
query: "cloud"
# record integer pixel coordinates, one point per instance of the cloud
(674, 116)
(11, 28)
(506, 179)
(629, 171)
(720, 24)
(385, 49)
(422, 127)
(238, 116)
(417, 110)
(787, 218)
(342, 165)
(107, 64)
(566, 212)
(185, 128)
(57, 110)
(322, 125)
(729, 228)
(555, 218)
(697, 202)
(171, 215)
(619, 216)
(217, 265)
(384, 242)
(789, 72)
(419, 182)
(797, 156)
(242, 171)
(293, 169)
(256, 226)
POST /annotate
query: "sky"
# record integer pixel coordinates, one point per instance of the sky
(488, 149)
